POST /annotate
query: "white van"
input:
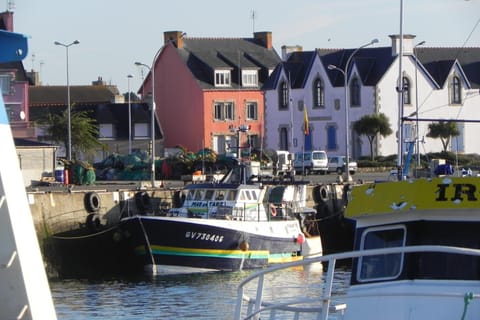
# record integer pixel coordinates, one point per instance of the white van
(311, 162)
(284, 162)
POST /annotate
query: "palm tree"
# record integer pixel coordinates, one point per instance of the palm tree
(444, 130)
(372, 125)
(83, 128)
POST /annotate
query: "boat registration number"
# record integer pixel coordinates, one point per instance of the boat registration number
(203, 236)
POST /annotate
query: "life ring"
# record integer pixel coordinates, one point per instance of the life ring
(92, 202)
(142, 200)
(324, 194)
(273, 210)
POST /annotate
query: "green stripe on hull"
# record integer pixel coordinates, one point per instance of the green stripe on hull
(209, 253)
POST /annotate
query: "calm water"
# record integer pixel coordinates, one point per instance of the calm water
(200, 296)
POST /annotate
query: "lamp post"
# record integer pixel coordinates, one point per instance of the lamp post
(69, 124)
(345, 85)
(417, 142)
(152, 125)
(129, 116)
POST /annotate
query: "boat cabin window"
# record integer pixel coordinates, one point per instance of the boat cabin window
(199, 195)
(385, 266)
(232, 195)
(248, 195)
(190, 195)
(220, 195)
(209, 195)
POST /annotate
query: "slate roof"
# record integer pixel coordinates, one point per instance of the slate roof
(84, 95)
(204, 55)
(372, 63)
(296, 68)
(439, 61)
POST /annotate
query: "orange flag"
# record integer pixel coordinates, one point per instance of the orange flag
(306, 128)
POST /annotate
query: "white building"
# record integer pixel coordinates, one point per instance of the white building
(445, 80)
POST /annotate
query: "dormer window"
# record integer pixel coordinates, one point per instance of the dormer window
(318, 94)
(249, 78)
(456, 91)
(222, 78)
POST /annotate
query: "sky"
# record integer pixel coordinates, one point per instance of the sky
(113, 34)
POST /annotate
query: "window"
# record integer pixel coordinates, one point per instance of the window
(283, 138)
(456, 91)
(318, 94)
(283, 95)
(331, 137)
(107, 131)
(253, 141)
(5, 83)
(385, 266)
(140, 130)
(249, 78)
(355, 93)
(252, 113)
(406, 91)
(224, 111)
(222, 78)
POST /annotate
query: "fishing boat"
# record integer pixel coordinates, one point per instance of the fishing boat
(240, 222)
(417, 256)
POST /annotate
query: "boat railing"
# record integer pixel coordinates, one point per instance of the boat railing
(321, 307)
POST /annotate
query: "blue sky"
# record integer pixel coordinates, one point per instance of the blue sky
(113, 34)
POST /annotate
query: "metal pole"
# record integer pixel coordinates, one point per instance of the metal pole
(129, 116)
(417, 140)
(400, 174)
(345, 86)
(69, 124)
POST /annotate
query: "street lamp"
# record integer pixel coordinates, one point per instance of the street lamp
(129, 116)
(417, 142)
(345, 85)
(152, 125)
(69, 124)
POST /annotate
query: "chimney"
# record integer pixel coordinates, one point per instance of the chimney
(288, 50)
(6, 21)
(265, 38)
(407, 44)
(174, 36)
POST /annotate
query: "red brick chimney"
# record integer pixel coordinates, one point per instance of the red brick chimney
(174, 36)
(265, 38)
(6, 21)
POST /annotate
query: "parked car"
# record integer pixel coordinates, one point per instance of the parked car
(283, 164)
(310, 162)
(337, 164)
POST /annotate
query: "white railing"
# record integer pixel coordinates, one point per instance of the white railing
(320, 307)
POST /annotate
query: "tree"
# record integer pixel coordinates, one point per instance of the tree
(372, 125)
(443, 130)
(84, 131)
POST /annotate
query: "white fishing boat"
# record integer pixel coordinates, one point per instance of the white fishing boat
(417, 256)
(241, 222)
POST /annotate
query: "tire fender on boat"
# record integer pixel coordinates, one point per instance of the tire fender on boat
(324, 194)
(142, 200)
(93, 222)
(92, 202)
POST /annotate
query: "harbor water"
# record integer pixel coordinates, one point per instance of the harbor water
(197, 296)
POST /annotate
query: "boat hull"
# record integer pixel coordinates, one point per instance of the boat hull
(166, 245)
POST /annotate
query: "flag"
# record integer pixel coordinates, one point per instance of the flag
(306, 129)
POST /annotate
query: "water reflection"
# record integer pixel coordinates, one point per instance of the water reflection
(197, 296)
